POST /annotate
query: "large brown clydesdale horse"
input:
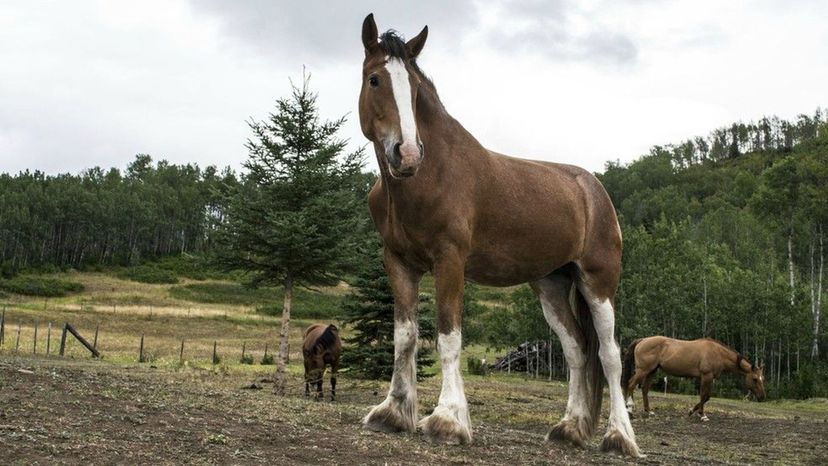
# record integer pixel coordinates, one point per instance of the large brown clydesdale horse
(445, 204)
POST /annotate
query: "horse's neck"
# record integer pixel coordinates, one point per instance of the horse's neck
(734, 362)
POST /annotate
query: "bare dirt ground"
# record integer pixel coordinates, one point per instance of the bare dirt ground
(94, 412)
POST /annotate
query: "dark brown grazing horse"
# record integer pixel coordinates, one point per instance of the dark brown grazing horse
(445, 204)
(704, 359)
(321, 347)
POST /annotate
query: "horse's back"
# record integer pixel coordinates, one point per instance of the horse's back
(686, 358)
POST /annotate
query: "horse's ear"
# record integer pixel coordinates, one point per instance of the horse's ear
(415, 45)
(370, 36)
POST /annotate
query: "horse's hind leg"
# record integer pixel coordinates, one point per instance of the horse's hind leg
(645, 391)
(595, 288)
(579, 420)
(398, 412)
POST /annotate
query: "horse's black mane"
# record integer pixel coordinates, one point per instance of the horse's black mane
(325, 340)
(739, 355)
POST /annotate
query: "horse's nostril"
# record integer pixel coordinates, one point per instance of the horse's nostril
(396, 158)
(420, 145)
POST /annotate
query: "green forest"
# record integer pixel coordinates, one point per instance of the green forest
(723, 237)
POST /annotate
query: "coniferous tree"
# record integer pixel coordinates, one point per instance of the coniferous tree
(296, 217)
(369, 310)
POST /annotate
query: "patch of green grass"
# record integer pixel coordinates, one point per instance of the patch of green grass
(33, 285)
(225, 293)
(268, 300)
(148, 274)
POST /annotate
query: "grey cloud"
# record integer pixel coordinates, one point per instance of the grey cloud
(325, 30)
(545, 28)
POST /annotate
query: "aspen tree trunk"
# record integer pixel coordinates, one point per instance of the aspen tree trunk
(279, 383)
(791, 265)
(704, 322)
(817, 304)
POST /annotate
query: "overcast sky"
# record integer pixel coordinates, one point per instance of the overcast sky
(88, 83)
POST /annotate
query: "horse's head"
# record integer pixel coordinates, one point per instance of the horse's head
(390, 82)
(755, 381)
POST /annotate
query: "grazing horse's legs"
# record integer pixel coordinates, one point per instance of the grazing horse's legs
(307, 379)
(620, 435)
(579, 419)
(704, 395)
(449, 422)
(334, 368)
(398, 412)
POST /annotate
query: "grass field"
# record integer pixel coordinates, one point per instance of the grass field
(115, 410)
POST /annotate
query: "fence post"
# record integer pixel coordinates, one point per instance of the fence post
(63, 340)
(141, 350)
(244, 345)
(95, 342)
(3, 326)
(34, 346)
(48, 338)
(181, 354)
(17, 343)
(215, 356)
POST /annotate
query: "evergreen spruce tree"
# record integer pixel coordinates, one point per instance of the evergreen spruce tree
(296, 218)
(369, 310)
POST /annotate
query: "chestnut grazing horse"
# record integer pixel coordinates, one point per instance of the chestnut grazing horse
(704, 359)
(445, 204)
(321, 347)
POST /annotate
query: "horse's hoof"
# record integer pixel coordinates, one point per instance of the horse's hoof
(705, 418)
(575, 431)
(443, 426)
(391, 417)
(651, 413)
(616, 442)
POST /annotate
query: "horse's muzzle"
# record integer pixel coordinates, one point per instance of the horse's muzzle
(404, 159)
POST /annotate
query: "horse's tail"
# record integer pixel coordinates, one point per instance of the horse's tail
(325, 340)
(593, 370)
(629, 365)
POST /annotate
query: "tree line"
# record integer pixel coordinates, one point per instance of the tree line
(108, 217)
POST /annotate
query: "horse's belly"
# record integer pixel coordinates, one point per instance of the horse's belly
(495, 269)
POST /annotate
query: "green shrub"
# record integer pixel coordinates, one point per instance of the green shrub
(267, 360)
(33, 285)
(246, 359)
(148, 274)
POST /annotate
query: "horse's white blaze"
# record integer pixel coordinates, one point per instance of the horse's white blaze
(401, 88)
(452, 396)
(577, 401)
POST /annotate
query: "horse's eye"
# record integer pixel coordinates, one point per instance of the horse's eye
(373, 80)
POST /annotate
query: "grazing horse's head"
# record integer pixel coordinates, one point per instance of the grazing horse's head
(755, 381)
(390, 83)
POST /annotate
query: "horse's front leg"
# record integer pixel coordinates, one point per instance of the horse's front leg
(449, 422)
(398, 412)
(704, 395)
